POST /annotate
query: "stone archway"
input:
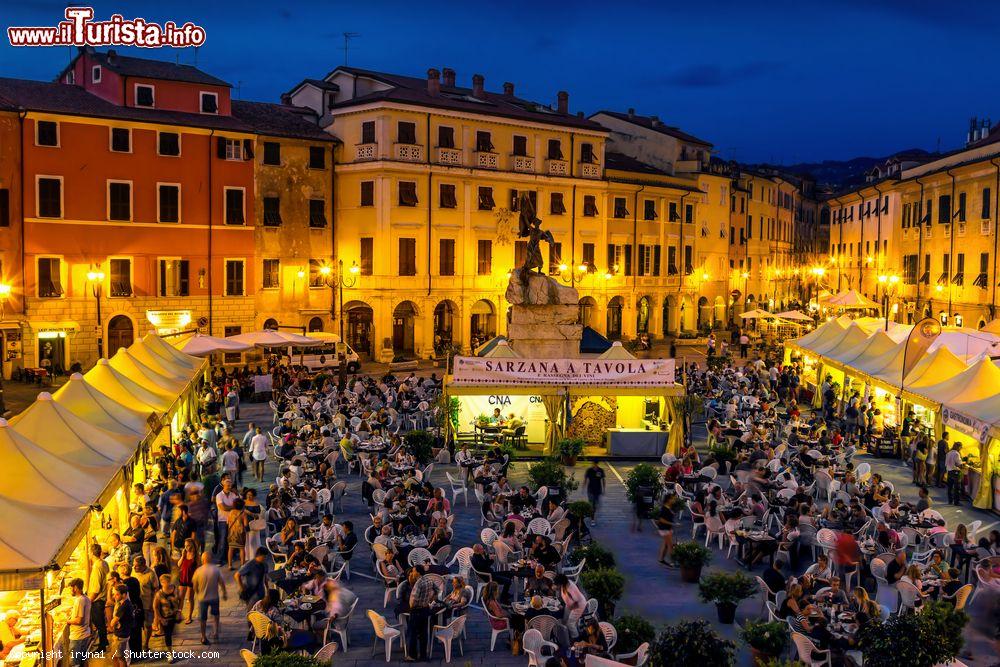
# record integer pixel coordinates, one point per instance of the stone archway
(643, 308)
(360, 331)
(403, 317)
(670, 315)
(614, 318)
(121, 333)
(315, 324)
(719, 316)
(482, 322)
(444, 325)
(271, 323)
(588, 312)
(704, 313)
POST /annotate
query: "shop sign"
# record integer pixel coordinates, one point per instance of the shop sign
(974, 427)
(521, 372)
(169, 319)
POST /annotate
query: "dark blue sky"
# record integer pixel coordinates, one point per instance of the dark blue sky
(781, 80)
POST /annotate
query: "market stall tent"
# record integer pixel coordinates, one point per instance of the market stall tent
(974, 383)
(501, 349)
(56, 429)
(98, 408)
(145, 355)
(200, 345)
(126, 364)
(109, 381)
(933, 368)
(826, 331)
(851, 299)
(888, 366)
(852, 337)
(24, 553)
(853, 351)
(33, 475)
(273, 338)
(616, 351)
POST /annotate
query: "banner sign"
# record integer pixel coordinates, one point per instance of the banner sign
(534, 372)
(262, 384)
(976, 428)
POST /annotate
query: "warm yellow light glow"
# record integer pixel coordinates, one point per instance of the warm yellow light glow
(607, 276)
(819, 271)
(562, 268)
(883, 279)
(95, 276)
(582, 268)
(355, 269)
(869, 259)
(301, 274)
(325, 270)
(744, 275)
(4, 290)
(938, 288)
(705, 276)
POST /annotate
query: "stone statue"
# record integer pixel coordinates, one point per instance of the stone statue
(530, 227)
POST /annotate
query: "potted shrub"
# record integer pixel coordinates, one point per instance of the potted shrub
(932, 637)
(691, 643)
(550, 473)
(598, 558)
(570, 449)
(726, 590)
(286, 659)
(766, 639)
(482, 420)
(581, 509)
(420, 444)
(633, 630)
(606, 586)
(690, 557)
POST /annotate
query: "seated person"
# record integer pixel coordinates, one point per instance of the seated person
(539, 584)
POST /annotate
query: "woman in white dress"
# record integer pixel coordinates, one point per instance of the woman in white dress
(255, 514)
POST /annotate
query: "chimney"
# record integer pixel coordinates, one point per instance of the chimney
(286, 99)
(477, 86)
(563, 101)
(655, 121)
(449, 77)
(508, 89)
(111, 56)
(631, 114)
(433, 82)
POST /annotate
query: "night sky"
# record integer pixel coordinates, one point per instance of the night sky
(779, 81)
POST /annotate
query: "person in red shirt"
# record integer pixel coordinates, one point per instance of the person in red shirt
(847, 554)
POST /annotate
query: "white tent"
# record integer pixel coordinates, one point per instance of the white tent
(852, 337)
(826, 331)
(794, 315)
(325, 336)
(975, 383)
(851, 299)
(857, 356)
(132, 368)
(756, 314)
(502, 350)
(98, 408)
(933, 368)
(56, 429)
(109, 381)
(272, 338)
(33, 475)
(24, 549)
(616, 351)
(147, 356)
(168, 351)
(200, 345)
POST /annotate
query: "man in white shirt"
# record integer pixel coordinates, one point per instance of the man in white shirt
(328, 530)
(231, 461)
(224, 500)
(953, 470)
(79, 625)
(258, 453)
(206, 456)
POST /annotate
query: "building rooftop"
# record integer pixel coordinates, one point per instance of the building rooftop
(413, 90)
(148, 68)
(654, 124)
(622, 162)
(280, 120)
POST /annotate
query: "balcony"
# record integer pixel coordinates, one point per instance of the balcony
(450, 156)
(558, 167)
(366, 152)
(524, 163)
(590, 170)
(487, 160)
(409, 152)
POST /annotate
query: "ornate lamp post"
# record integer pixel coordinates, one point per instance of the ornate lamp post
(338, 280)
(96, 280)
(889, 284)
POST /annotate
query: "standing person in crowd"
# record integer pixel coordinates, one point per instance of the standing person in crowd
(207, 583)
(225, 500)
(97, 591)
(79, 624)
(121, 626)
(258, 453)
(941, 454)
(594, 478)
(252, 578)
(167, 613)
(953, 470)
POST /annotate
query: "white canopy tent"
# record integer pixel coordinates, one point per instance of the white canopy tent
(124, 390)
(132, 368)
(616, 351)
(200, 345)
(851, 299)
(146, 355)
(273, 338)
(794, 315)
(168, 351)
(88, 403)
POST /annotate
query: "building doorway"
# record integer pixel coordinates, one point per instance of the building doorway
(360, 331)
(483, 322)
(444, 326)
(402, 328)
(315, 324)
(614, 318)
(120, 334)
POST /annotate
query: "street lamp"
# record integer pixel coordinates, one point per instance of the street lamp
(338, 281)
(572, 277)
(889, 284)
(96, 279)
(4, 295)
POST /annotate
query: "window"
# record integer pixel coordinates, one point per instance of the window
(46, 133)
(649, 209)
(446, 257)
(620, 259)
(121, 277)
(168, 202)
(555, 258)
(589, 206)
(317, 157)
(232, 357)
(688, 260)
(229, 149)
(446, 137)
(95, 74)
(555, 149)
(169, 144)
(271, 273)
(210, 102)
(272, 211)
(556, 205)
(672, 261)
(484, 257)
(588, 257)
(234, 277)
(621, 208)
(144, 96)
(689, 213)
(447, 196)
(367, 193)
(368, 132)
(234, 206)
(520, 253)
(272, 153)
(910, 266)
(175, 277)
(960, 213)
(645, 264)
(49, 197)
(674, 214)
(406, 132)
(316, 273)
(587, 153)
(4, 207)
(944, 209)
(119, 201)
(484, 142)
(984, 209)
(317, 213)
(959, 277)
(121, 140)
(49, 277)
(407, 193)
(367, 255)
(984, 270)
(517, 195)
(520, 145)
(486, 202)
(407, 257)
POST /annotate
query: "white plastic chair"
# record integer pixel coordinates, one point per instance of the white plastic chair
(385, 632)
(610, 634)
(497, 626)
(419, 556)
(909, 596)
(543, 624)
(325, 654)
(539, 526)
(458, 488)
(534, 645)
(808, 653)
(637, 657)
(446, 634)
(714, 528)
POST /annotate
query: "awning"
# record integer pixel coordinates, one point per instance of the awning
(86, 402)
(273, 338)
(135, 370)
(200, 345)
(109, 381)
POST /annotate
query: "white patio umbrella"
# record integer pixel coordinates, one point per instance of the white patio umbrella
(273, 338)
(200, 345)
(756, 314)
(616, 351)
(794, 315)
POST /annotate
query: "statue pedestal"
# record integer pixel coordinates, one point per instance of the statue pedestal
(544, 319)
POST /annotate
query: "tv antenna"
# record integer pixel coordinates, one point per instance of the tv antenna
(348, 36)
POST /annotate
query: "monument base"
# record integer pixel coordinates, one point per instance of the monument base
(544, 318)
